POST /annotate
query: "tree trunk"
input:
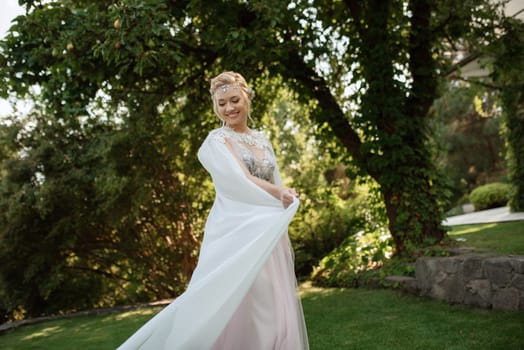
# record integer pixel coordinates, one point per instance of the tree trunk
(388, 139)
(414, 215)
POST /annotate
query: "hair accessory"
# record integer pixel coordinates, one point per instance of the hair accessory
(224, 88)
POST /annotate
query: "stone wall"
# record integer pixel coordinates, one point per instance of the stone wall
(487, 281)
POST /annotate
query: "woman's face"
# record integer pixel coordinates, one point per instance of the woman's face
(232, 107)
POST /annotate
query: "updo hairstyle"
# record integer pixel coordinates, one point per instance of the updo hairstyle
(230, 78)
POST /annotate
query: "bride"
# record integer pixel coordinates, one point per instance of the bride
(242, 294)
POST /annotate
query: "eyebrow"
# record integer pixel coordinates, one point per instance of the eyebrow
(232, 97)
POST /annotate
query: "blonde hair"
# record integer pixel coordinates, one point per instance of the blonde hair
(232, 79)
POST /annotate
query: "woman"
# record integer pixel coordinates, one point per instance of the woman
(242, 292)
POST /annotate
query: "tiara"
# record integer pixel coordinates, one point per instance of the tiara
(224, 88)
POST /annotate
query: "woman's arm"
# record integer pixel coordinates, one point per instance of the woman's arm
(285, 195)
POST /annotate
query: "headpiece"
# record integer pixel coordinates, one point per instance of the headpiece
(224, 88)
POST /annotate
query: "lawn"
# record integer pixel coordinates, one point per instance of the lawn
(383, 319)
(499, 238)
(336, 318)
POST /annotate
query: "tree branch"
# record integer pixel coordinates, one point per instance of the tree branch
(355, 11)
(333, 114)
(421, 62)
(476, 82)
(99, 272)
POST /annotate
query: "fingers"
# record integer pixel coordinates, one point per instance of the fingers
(287, 196)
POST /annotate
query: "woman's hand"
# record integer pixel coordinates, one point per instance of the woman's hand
(287, 196)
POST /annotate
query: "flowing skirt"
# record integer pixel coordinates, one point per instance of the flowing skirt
(235, 305)
(270, 316)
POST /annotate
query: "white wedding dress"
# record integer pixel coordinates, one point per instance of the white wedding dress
(242, 294)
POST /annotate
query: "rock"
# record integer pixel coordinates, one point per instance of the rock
(405, 283)
(506, 299)
(472, 268)
(454, 251)
(498, 270)
(518, 282)
(450, 289)
(479, 280)
(424, 268)
(451, 264)
(517, 262)
(478, 293)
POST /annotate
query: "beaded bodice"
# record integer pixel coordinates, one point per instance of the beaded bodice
(253, 149)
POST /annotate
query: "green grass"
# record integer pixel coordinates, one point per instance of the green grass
(336, 319)
(383, 319)
(499, 238)
(82, 333)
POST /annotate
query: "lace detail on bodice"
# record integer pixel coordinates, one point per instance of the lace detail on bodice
(254, 150)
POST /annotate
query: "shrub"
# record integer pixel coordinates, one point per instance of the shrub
(455, 211)
(491, 195)
(323, 225)
(357, 254)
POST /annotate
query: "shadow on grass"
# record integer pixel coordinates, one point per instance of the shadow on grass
(336, 319)
(85, 333)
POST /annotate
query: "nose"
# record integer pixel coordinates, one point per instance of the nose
(229, 107)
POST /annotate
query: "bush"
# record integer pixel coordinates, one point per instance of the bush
(321, 226)
(455, 211)
(491, 195)
(358, 253)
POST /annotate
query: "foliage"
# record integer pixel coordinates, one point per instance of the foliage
(455, 211)
(492, 195)
(509, 55)
(504, 54)
(87, 221)
(343, 266)
(103, 180)
(324, 223)
(470, 147)
(332, 205)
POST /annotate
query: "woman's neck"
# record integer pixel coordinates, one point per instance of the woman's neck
(242, 129)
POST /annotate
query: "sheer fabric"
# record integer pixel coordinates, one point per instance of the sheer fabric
(242, 292)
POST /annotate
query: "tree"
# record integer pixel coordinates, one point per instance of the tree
(387, 53)
(468, 134)
(96, 208)
(368, 68)
(509, 65)
(501, 57)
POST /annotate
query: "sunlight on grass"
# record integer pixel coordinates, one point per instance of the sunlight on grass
(134, 313)
(498, 238)
(46, 332)
(307, 289)
(464, 229)
(336, 319)
(83, 333)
